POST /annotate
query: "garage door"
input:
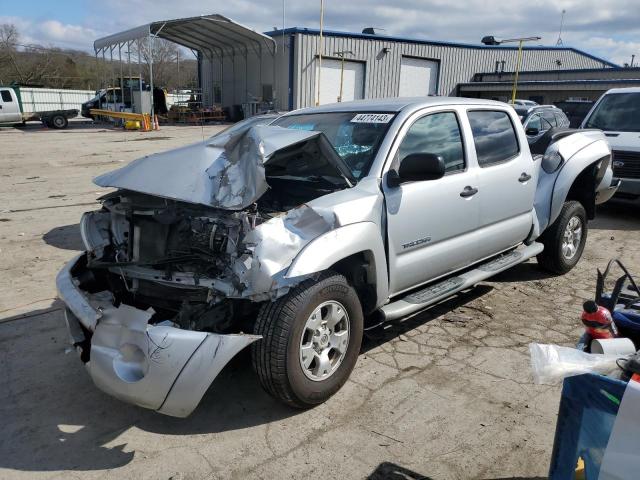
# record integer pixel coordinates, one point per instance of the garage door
(418, 77)
(352, 83)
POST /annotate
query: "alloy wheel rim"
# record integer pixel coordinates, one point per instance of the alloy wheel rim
(324, 340)
(571, 238)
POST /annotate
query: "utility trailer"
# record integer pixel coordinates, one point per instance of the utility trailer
(13, 110)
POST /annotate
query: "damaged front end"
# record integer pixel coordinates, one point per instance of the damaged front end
(173, 276)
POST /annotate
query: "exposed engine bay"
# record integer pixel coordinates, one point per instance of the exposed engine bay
(193, 265)
(192, 248)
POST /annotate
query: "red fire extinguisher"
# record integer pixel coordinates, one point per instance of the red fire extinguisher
(597, 321)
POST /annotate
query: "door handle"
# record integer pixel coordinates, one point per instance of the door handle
(468, 192)
(524, 177)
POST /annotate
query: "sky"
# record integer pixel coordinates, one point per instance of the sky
(606, 28)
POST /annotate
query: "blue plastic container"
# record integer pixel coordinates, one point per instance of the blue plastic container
(588, 408)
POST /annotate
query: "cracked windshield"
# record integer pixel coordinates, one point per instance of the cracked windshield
(355, 136)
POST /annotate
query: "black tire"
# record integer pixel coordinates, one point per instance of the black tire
(58, 122)
(281, 323)
(552, 257)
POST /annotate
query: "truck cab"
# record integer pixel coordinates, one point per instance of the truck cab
(617, 114)
(10, 112)
(14, 111)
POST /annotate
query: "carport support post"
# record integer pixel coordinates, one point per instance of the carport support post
(97, 70)
(104, 78)
(151, 45)
(113, 78)
(139, 76)
(130, 82)
(121, 74)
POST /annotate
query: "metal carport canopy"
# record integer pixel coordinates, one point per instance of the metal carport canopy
(208, 32)
(213, 36)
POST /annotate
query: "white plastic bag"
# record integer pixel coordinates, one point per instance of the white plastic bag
(551, 363)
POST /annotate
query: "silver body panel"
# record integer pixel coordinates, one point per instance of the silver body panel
(169, 369)
(149, 366)
(226, 171)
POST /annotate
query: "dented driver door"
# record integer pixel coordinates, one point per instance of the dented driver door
(430, 222)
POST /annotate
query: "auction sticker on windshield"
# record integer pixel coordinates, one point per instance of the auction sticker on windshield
(372, 118)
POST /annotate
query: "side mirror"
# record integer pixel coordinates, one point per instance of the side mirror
(532, 131)
(417, 167)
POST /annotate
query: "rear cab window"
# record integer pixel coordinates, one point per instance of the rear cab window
(494, 136)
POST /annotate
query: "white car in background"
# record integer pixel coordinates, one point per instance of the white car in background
(617, 113)
(523, 103)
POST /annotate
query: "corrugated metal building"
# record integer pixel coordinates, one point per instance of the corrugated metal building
(551, 86)
(239, 66)
(383, 66)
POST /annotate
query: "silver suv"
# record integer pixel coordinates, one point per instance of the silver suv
(292, 236)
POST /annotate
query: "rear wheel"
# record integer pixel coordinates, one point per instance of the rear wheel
(58, 121)
(565, 239)
(311, 338)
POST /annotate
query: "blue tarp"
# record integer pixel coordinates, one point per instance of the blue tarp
(588, 408)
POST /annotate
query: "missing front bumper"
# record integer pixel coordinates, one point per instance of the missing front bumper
(158, 367)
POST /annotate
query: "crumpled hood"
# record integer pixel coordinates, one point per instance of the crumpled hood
(226, 171)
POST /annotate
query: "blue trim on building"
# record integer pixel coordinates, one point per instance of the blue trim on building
(333, 33)
(617, 68)
(619, 81)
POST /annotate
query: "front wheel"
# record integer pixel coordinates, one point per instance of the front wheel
(565, 239)
(310, 343)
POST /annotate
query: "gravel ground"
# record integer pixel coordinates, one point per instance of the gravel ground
(446, 394)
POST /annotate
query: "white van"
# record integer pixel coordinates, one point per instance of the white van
(617, 113)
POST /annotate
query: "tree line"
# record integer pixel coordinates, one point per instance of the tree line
(52, 67)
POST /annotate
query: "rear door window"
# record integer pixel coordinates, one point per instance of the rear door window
(561, 120)
(6, 96)
(549, 117)
(494, 136)
(545, 125)
(534, 122)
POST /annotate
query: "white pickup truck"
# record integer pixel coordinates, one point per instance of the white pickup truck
(617, 113)
(13, 111)
(293, 237)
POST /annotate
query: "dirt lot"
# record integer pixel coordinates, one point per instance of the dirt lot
(446, 394)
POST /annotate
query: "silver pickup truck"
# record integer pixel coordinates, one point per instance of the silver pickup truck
(293, 236)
